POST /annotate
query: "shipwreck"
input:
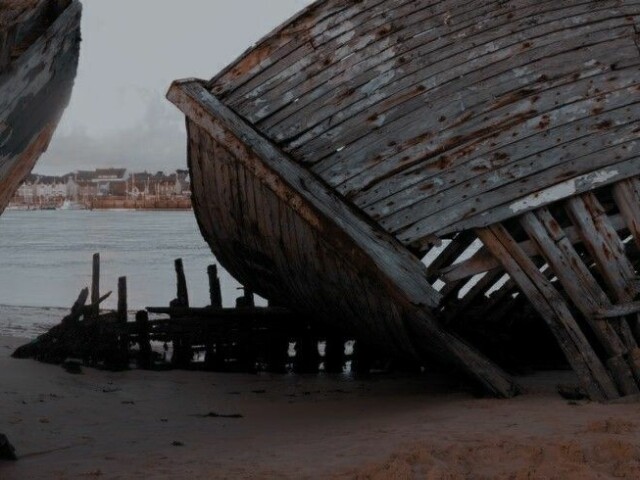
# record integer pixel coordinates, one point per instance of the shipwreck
(391, 166)
(39, 50)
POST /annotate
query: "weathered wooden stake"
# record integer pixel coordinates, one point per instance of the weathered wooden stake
(122, 299)
(215, 293)
(246, 300)
(142, 324)
(122, 320)
(95, 285)
(182, 352)
(182, 293)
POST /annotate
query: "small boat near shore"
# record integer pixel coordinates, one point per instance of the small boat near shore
(69, 205)
(39, 51)
(398, 167)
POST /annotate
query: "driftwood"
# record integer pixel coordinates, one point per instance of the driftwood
(81, 334)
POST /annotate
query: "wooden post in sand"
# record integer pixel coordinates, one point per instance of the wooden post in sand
(246, 300)
(122, 300)
(122, 320)
(182, 293)
(182, 353)
(142, 324)
(95, 285)
(215, 294)
(212, 354)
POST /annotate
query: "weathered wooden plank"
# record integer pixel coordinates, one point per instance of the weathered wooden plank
(455, 100)
(325, 122)
(376, 256)
(348, 104)
(627, 197)
(478, 178)
(122, 300)
(617, 311)
(484, 261)
(583, 289)
(475, 294)
(561, 183)
(333, 43)
(554, 311)
(200, 147)
(453, 251)
(376, 37)
(278, 44)
(605, 246)
(95, 285)
(532, 118)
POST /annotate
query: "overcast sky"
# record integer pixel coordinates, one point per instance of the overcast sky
(131, 52)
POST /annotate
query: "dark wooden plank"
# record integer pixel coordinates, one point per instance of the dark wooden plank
(545, 166)
(182, 294)
(475, 294)
(553, 310)
(122, 300)
(620, 310)
(484, 261)
(583, 289)
(215, 294)
(450, 254)
(608, 252)
(95, 285)
(605, 246)
(627, 197)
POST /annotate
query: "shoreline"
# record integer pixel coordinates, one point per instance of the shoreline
(144, 424)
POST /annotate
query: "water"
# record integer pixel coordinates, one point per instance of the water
(45, 259)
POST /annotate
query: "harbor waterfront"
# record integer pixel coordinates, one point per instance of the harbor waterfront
(45, 259)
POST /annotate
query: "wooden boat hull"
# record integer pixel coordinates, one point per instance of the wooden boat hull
(288, 238)
(35, 85)
(468, 136)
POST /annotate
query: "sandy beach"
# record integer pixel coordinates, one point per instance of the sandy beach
(141, 424)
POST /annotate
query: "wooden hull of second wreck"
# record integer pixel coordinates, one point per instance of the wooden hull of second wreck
(279, 231)
(39, 50)
(505, 131)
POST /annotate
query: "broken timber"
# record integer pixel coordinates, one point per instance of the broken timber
(496, 143)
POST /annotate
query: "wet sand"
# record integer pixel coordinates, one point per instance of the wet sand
(154, 425)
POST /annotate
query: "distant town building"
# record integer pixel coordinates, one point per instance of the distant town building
(83, 186)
